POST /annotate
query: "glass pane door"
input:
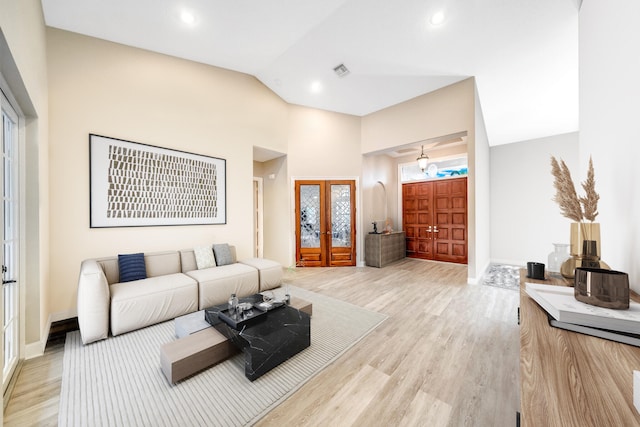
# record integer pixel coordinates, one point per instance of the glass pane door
(10, 288)
(341, 250)
(341, 215)
(310, 216)
(311, 238)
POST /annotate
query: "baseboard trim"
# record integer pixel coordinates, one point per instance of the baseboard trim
(36, 349)
(476, 280)
(33, 350)
(64, 315)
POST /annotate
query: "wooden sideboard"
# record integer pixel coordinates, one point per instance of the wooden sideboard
(570, 379)
(383, 249)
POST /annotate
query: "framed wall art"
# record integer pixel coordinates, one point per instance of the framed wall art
(137, 185)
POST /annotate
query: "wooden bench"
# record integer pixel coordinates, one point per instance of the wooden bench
(186, 356)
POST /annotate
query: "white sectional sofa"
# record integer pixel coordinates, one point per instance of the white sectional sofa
(174, 286)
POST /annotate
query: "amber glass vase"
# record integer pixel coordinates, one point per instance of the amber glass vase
(585, 249)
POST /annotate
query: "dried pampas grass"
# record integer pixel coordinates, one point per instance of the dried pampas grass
(573, 207)
(590, 200)
(566, 195)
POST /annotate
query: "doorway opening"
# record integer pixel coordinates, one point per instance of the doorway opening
(258, 217)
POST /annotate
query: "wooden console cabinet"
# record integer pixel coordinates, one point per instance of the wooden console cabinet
(570, 379)
(383, 249)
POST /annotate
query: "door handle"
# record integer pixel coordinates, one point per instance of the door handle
(6, 282)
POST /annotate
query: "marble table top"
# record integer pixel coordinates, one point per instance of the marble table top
(284, 332)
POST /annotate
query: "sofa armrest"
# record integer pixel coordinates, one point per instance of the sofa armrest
(93, 302)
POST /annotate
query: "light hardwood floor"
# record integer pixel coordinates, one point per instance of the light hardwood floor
(446, 356)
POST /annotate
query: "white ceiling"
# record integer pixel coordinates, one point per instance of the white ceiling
(523, 53)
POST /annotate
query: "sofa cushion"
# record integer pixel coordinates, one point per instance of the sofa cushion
(132, 267)
(218, 283)
(145, 302)
(204, 257)
(223, 254)
(269, 272)
(162, 263)
(93, 302)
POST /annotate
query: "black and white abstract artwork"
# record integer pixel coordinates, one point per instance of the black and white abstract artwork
(134, 185)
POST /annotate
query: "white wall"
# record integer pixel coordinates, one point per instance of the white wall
(479, 195)
(323, 143)
(525, 221)
(609, 112)
(442, 112)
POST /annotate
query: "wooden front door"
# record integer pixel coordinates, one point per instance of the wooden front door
(418, 219)
(450, 207)
(325, 223)
(435, 219)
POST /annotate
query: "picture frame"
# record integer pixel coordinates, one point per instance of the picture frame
(141, 185)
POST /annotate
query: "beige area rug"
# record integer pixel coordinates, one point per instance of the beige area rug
(118, 381)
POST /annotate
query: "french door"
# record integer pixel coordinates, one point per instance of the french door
(10, 237)
(325, 223)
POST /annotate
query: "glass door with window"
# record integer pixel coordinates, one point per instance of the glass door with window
(325, 223)
(9, 214)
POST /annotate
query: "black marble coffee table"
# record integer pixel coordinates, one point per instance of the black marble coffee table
(284, 332)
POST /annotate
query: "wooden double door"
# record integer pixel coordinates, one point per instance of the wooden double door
(325, 223)
(435, 219)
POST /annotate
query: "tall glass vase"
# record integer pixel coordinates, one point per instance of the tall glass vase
(557, 257)
(585, 249)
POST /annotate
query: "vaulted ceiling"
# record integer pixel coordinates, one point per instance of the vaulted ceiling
(523, 53)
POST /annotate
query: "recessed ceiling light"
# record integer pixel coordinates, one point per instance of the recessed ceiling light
(437, 18)
(188, 17)
(316, 87)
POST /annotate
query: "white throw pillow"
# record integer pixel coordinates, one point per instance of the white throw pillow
(204, 257)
